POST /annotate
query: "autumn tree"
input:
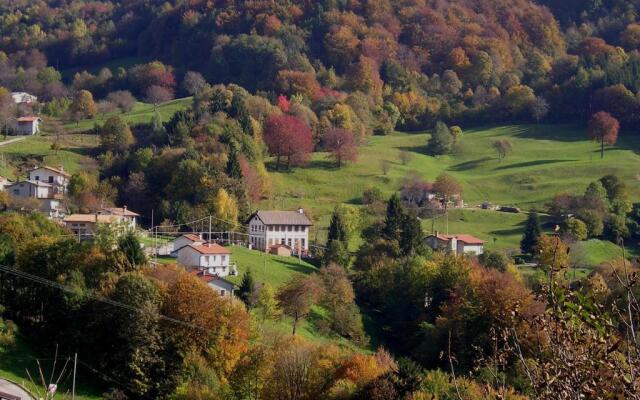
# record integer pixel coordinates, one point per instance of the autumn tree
(289, 137)
(297, 297)
(123, 99)
(83, 105)
(603, 128)
(266, 304)
(225, 207)
(341, 145)
(156, 94)
(404, 156)
(115, 135)
(502, 147)
(447, 188)
(7, 109)
(194, 83)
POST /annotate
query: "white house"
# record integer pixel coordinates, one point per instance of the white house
(270, 228)
(50, 201)
(220, 285)
(185, 240)
(126, 215)
(84, 225)
(458, 244)
(23, 98)
(211, 257)
(57, 177)
(4, 182)
(27, 125)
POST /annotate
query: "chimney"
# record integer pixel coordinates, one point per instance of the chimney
(124, 208)
(300, 210)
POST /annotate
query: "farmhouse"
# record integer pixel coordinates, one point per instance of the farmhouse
(185, 240)
(29, 125)
(85, 225)
(44, 193)
(220, 285)
(458, 244)
(126, 216)
(211, 257)
(270, 228)
(23, 98)
(58, 178)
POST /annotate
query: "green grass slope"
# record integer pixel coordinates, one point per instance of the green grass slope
(141, 113)
(546, 159)
(74, 154)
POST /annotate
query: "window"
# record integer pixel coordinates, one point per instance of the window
(282, 241)
(37, 177)
(289, 228)
(206, 259)
(302, 242)
(271, 228)
(222, 292)
(296, 228)
(51, 179)
(223, 258)
(289, 242)
(16, 191)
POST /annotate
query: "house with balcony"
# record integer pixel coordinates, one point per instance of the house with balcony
(209, 257)
(457, 244)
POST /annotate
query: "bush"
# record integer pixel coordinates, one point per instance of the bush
(372, 195)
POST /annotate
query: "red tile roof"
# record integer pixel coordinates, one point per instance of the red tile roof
(192, 237)
(27, 119)
(212, 248)
(468, 239)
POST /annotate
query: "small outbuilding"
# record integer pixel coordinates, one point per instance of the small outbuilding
(281, 250)
(29, 125)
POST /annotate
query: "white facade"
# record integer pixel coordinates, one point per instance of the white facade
(185, 240)
(213, 258)
(126, 216)
(221, 286)
(457, 244)
(270, 228)
(23, 97)
(56, 177)
(35, 189)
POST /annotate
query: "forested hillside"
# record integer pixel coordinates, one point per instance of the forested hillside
(464, 61)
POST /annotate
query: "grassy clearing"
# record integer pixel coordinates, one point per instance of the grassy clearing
(16, 360)
(546, 159)
(141, 113)
(74, 154)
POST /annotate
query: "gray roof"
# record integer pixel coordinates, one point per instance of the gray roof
(282, 218)
(35, 183)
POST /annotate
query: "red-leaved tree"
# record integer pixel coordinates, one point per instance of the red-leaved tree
(288, 136)
(341, 145)
(603, 128)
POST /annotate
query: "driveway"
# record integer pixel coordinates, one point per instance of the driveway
(12, 140)
(10, 388)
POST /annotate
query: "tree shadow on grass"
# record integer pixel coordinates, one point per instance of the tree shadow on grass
(530, 164)
(467, 165)
(296, 267)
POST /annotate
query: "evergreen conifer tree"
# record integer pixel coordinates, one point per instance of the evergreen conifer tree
(246, 289)
(532, 234)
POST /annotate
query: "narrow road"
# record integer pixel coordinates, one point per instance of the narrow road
(6, 142)
(10, 388)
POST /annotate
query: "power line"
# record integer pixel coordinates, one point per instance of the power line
(101, 299)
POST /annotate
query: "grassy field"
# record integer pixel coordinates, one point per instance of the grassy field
(74, 154)
(16, 360)
(141, 113)
(546, 159)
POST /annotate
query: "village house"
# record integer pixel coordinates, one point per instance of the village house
(29, 125)
(185, 240)
(212, 257)
(126, 216)
(271, 228)
(281, 250)
(44, 193)
(58, 178)
(4, 182)
(457, 244)
(220, 285)
(85, 225)
(23, 98)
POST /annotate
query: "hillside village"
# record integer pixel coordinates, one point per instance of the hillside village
(325, 200)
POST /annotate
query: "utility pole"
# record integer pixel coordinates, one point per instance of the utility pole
(209, 230)
(73, 386)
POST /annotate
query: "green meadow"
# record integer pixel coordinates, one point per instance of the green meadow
(545, 160)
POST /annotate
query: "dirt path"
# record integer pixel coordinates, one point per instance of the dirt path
(18, 139)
